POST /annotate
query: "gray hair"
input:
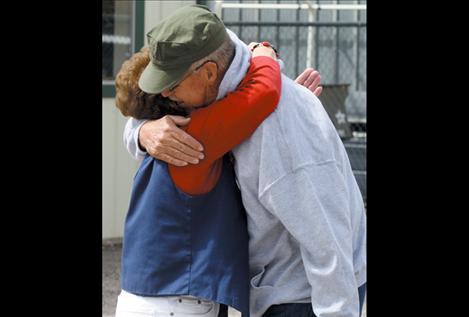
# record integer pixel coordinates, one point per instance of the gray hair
(222, 56)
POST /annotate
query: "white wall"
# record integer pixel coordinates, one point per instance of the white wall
(118, 169)
(118, 166)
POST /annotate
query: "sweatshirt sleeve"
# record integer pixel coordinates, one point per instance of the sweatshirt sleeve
(226, 123)
(131, 131)
(311, 202)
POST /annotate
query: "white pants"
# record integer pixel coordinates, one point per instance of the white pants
(130, 305)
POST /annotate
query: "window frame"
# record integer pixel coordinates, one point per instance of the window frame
(138, 24)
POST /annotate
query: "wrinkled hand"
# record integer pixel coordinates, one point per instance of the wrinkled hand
(164, 140)
(311, 79)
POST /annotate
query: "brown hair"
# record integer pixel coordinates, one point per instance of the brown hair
(132, 101)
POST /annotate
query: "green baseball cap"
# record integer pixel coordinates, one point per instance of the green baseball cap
(189, 34)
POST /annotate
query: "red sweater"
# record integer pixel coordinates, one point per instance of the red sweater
(226, 123)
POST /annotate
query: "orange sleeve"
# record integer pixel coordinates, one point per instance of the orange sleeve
(226, 123)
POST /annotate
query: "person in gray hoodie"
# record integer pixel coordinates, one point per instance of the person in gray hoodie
(306, 217)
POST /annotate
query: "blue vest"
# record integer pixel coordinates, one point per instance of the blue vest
(178, 244)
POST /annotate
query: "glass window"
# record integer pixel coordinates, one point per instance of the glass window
(117, 35)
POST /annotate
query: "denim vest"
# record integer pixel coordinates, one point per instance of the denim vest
(178, 244)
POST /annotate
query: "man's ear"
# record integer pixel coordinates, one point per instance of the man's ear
(211, 71)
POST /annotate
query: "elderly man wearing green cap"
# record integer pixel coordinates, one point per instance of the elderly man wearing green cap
(305, 213)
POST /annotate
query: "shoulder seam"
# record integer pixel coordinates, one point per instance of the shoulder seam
(301, 166)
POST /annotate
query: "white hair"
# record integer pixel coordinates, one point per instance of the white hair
(222, 56)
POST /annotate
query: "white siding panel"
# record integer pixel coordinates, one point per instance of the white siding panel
(118, 170)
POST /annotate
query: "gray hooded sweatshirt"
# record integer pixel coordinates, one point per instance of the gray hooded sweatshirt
(306, 218)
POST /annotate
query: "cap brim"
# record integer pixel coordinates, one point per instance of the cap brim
(154, 80)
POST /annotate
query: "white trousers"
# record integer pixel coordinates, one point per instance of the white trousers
(130, 305)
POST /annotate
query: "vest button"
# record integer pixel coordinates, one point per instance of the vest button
(171, 314)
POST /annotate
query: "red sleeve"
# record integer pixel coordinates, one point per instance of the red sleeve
(226, 123)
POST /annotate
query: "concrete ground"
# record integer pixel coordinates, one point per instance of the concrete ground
(111, 273)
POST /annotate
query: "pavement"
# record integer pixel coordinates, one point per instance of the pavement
(112, 250)
(111, 253)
